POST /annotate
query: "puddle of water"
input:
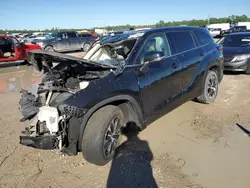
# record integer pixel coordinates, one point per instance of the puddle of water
(14, 78)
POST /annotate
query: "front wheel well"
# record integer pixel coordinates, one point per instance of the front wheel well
(132, 114)
(49, 45)
(129, 111)
(216, 69)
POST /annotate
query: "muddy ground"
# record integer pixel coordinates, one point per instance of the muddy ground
(194, 146)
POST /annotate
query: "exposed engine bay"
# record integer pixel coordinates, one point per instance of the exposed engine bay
(51, 121)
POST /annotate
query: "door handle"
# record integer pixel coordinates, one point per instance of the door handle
(175, 65)
(202, 54)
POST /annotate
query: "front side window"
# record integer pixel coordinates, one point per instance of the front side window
(154, 44)
(216, 29)
(181, 41)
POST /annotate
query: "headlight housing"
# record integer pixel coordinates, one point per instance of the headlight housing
(241, 57)
(72, 111)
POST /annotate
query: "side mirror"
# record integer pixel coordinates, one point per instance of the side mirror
(151, 57)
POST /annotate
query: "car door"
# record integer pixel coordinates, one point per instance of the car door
(19, 48)
(189, 54)
(62, 42)
(159, 80)
(4, 46)
(74, 41)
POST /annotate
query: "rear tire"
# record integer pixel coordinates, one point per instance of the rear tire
(210, 89)
(248, 69)
(86, 47)
(49, 48)
(99, 138)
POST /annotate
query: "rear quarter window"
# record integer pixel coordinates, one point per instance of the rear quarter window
(85, 35)
(180, 41)
(203, 37)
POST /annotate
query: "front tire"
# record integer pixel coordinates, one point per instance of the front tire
(102, 135)
(49, 48)
(248, 69)
(210, 89)
(86, 47)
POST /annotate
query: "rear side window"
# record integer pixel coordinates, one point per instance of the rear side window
(181, 41)
(85, 35)
(202, 37)
(71, 35)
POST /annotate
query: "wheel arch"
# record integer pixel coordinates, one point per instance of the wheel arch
(84, 43)
(216, 69)
(49, 45)
(130, 107)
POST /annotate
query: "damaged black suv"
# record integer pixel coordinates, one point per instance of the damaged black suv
(83, 104)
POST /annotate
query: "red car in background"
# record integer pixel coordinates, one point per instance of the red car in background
(11, 50)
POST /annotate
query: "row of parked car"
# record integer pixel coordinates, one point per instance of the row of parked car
(66, 41)
(59, 41)
(14, 47)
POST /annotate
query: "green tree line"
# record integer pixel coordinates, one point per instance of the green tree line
(201, 22)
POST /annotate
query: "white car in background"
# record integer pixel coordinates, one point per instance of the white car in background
(37, 36)
(215, 29)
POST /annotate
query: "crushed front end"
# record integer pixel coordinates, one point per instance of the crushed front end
(53, 124)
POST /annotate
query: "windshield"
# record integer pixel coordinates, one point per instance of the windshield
(236, 41)
(110, 54)
(15, 41)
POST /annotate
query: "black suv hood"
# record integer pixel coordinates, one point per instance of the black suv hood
(43, 58)
(236, 50)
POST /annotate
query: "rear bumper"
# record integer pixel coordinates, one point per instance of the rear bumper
(235, 66)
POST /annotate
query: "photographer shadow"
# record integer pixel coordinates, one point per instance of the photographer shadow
(131, 166)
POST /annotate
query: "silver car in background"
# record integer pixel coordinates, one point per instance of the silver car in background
(34, 36)
(65, 41)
